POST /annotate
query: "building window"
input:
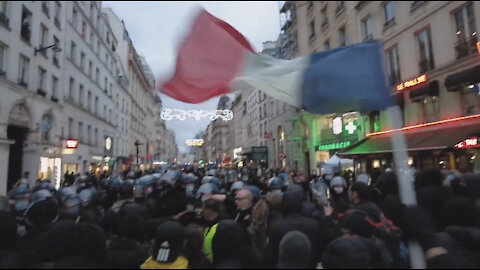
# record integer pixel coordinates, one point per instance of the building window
(92, 12)
(430, 108)
(54, 86)
(326, 45)
(82, 61)
(80, 95)
(74, 18)
(3, 54)
(25, 31)
(105, 112)
(97, 75)
(367, 24)
(41, 78)
(106, 85)
(325, 18)
(71, 89)
(426, 62)
(80, 131)
(90, 67)
(96, 106)
(340, 6)
(73, 52)
(416, 4)
(342, 39)
(393, 66)
(84, 30)
(58, 8)
(89, 101)
(45, 8)
(46, 127)
(43, 39)
(312, 31)
(98, 47)
(470, 99)
(55, 58)
(92, 39)
(23, 70)
(466, 31)
(95, 137)
(70, 128)
(3, 13)
(89, 134)
(389, 11)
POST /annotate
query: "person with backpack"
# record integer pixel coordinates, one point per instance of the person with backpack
(382, 228)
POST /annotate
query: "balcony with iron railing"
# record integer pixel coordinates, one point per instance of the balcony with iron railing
(466, 47)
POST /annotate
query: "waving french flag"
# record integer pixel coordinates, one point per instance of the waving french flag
(215, 59)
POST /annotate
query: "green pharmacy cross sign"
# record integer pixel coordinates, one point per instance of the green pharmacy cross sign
(351, 128)
(333, 146)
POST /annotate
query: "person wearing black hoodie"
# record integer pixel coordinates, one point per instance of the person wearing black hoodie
(293, 200)
(231, 249)
(9, 254)
(126, 249)
(294, 251)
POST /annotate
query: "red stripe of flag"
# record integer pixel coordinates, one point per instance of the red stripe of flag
(210, 57)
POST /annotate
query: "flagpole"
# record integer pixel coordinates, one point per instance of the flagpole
(405, 181)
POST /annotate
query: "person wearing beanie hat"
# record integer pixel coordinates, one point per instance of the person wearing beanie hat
(167, 251)
(294, 251)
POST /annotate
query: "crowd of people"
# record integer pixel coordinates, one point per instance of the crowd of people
(191, 218)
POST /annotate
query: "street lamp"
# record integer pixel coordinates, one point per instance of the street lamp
(137, 144)
(54, 47)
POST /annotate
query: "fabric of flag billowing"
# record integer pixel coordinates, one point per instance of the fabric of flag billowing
(215, 59)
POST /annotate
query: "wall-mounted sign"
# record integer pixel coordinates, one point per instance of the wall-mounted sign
(478, 47)
(469, 143)
(108, 143)
(337, 125)
(236, 152)
(333, 146)
(420, 79)
(72, 144)
(266, 136)
(351, 128)
(108, 147)
(194, 142)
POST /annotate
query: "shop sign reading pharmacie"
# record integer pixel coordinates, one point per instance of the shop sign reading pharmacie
(333, 146)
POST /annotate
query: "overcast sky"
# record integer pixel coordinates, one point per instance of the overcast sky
(157, 27)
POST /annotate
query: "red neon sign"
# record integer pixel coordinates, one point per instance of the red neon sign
(425, 125)
(469, 143)
(411, 83)
(478, 47)
(72, 144)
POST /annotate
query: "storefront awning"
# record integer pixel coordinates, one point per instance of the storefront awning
(430, 89)
(463, 78)
(420, 139)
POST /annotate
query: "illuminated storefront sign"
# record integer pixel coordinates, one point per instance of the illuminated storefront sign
(469, 143)
(411, 83)
(194, 142)
(333, 146)
(337, 125)
(351, 128)
(72, 144)
(236, 152)
(478, 47)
